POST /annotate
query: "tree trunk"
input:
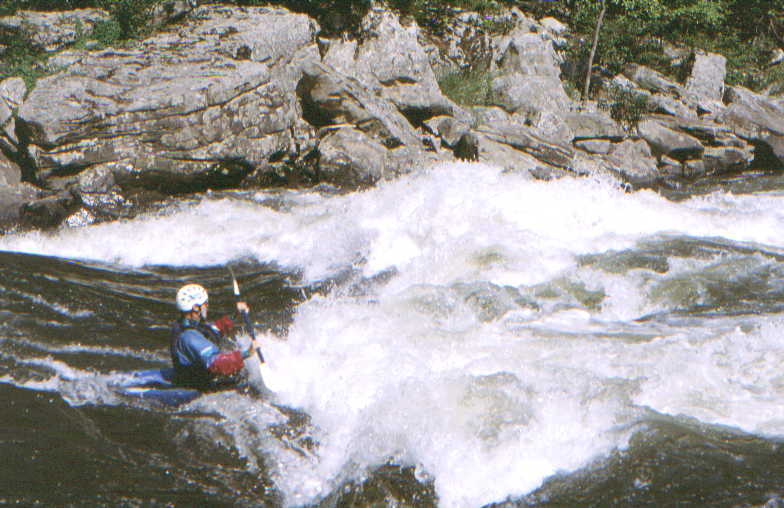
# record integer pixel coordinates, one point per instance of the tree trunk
(593, 50)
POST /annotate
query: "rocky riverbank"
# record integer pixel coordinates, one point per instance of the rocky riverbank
(223, 97)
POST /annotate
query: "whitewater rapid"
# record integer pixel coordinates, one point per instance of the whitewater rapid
(474, 340)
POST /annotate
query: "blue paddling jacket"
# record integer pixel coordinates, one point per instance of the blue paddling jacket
(197, 360)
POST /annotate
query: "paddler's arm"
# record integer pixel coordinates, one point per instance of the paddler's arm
(225, 325)
(228, 364)
(203, 352)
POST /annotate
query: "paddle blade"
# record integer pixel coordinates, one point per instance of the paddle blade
(253, 368)
(256, 368)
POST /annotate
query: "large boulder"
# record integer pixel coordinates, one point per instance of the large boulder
(669, 105)
(586, 125)
(450, 130)
(48, 211)
(217, 92)
(10, 174)
(709, 132)
(634, 162)
(478, 146)
(12, 92)
(330, 98)
(557, 30)
(51, 30)
(12, 200)
(706, 81)
(529, 79)
(596, 146)
(756, 118)
(462, 39)
(664, 140)
(389, 58)
(349, 158)
(651, 80)
(724, 159)
(525, 140)
(752, 114)
(168, 11)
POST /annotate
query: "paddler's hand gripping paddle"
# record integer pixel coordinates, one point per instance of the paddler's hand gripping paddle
(246, 318)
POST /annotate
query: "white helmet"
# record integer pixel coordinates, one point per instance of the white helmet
(190, 295)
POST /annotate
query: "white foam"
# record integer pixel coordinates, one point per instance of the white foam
(489, 408)
(458, 221)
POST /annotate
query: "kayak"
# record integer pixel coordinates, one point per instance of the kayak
(157, 385)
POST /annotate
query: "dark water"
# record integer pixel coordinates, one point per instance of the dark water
(69, 327)
(103, 319)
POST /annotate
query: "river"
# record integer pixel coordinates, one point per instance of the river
(457, 338)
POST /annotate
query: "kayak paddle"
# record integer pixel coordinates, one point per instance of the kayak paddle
(254, 362)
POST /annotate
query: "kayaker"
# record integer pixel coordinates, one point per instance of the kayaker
(197, 359)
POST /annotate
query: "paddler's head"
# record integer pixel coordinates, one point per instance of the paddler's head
(192, 301)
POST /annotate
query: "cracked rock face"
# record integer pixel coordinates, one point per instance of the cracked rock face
(220, 89)
(666, 141)
(530, 74)
(706, 80)
(331, 98)
(9, 172)
(389, 57)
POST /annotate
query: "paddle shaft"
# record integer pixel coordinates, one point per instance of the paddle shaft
(246, 318)
(254, 343)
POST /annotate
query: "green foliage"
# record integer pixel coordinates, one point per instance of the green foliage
(420, 7)
(335, 16)
(745, 31)
(539, 9)
(625, 106)
(129, 19)
(468, 87)
(497, 26)
(107, 33)
(436, 15)
(9, 7)
(19, 59)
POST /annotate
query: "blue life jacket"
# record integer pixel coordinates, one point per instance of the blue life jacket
(193, 349)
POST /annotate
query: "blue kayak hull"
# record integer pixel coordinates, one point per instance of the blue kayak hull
(157, 385)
